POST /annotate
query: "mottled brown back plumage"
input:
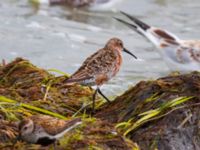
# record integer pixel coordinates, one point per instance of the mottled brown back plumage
(50, 125)
(101, 66)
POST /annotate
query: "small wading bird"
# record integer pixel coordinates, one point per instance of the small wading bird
(100, 67)
(45, 130)
(181, 55)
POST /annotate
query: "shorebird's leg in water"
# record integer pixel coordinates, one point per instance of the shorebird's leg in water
(99, 91)
(93, 100)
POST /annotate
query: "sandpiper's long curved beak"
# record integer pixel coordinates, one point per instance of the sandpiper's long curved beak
(127, 51)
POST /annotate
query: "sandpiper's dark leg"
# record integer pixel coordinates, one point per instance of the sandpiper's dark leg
(99, 91)
(93, 100)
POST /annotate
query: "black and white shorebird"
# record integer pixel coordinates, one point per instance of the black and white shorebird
(45, 130)
(179, 55)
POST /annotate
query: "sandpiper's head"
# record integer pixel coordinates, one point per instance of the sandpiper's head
(117, 44)
(26, 127)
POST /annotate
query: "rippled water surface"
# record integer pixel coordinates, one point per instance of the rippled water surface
(61, 38)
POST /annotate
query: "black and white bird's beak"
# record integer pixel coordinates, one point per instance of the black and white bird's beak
(127, 51)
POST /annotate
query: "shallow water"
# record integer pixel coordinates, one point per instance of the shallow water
(61, 38)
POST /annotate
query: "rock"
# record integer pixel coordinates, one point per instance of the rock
(159, 114)
(24, 82)
(27, 90)
(171, 128)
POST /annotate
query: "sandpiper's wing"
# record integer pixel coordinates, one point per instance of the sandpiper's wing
(54, 126)
(153, 34)
(97, 64)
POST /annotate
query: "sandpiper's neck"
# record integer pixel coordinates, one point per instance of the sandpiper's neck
(118, 62)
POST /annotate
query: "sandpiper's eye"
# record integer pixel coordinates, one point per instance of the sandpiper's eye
(120, 44)
(25, 128)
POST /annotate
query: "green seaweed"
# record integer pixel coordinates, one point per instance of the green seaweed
(30, 107)
(151, 114)
(26, 90)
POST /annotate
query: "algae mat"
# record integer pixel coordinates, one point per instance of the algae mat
(159, 114)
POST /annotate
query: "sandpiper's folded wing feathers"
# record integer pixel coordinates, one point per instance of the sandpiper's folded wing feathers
(93, 65)
(50, 125)
(100, 62)
(53, 126)
(83, 73)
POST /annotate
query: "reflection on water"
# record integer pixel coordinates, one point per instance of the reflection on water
(61, 38)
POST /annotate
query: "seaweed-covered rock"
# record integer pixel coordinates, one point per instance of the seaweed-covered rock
(92, 134)
(26, 90)
(24, 82)
(162, 114)
(97, 134)
(8, 131)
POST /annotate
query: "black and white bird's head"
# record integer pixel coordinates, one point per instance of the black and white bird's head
(26, 127)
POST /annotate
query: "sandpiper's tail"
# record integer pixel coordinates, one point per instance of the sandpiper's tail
(69, 125)
(155, 35)
(80, 79)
